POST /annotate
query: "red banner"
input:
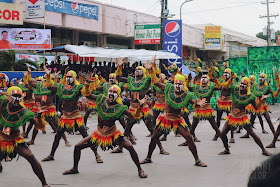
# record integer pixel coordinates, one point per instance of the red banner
(148, 41)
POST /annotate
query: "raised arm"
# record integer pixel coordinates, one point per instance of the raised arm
(48, 80)
(118, 72)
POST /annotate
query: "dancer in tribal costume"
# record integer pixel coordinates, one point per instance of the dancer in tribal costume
(28, 101)
(258, 90)
(204, 91)
(277, 133)
(224, 101)
(91, 104)
(107, 136)
(71, 121)
(138, 86)
(241, 97)
(13, 115)
(44, 102)
(176, 97)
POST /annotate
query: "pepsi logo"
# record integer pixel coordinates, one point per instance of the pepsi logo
(172, 29)
(75, 7)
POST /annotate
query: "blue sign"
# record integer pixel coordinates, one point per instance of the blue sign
(13, 75)
(172, 41)
(7, 1)
(73, 8)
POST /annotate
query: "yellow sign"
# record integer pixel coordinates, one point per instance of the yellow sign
(213, 38)
(11, 14)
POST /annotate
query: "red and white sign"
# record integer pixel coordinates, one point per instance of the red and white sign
(279, 40)
(34, 9)
(11, 14)
(148, 41)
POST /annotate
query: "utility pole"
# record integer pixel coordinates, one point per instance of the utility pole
(163, 16)
(268, 20)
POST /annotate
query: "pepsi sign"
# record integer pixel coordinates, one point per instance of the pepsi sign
(172, 40)
(73, 8)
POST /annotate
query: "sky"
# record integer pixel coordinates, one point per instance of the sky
(237, 15)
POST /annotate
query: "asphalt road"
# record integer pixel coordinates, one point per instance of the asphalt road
(176, 169)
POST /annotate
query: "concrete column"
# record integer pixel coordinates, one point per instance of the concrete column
(75, 37)
(132, 44)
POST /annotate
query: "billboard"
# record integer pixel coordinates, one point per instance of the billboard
(36, 58)
(147, 34)
(213, 38)
(7, 1)
(172, 40)
(25, 39)
(34, 9)
(11, 14)
(73, 8)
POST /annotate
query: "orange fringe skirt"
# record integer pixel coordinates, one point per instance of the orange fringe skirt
(9, 142)
(168, 122)
(204, 114)
(146, 113)
(185, 111)
(71, 122)
(224, 105)
(106, 138)
(237, 121)
(159, 107)
(91, 104)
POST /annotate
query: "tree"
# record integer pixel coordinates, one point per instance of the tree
(261, 36)
(8, 62)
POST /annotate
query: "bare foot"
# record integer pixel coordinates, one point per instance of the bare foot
(117, 150)
(177, 135)
(70, 172)
(163, 152)
(215, 138)
(232, 140)
(142, 174)
(271, 146)
(8, 159)
(264, 132)
(48, 158)
(225, 152)
(24, 135)
(30, 142)
(146, 161)
(201, 164)
(44, 132)
(196, 140)
(67, 144)
(183, 144)
(163, 139)
(149, 135)
(266, 153)
(245, 136)
(98, 159)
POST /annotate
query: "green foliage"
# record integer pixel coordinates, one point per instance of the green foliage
(8, 63)
(261, 36)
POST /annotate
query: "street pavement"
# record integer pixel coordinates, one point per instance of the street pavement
(176, 169)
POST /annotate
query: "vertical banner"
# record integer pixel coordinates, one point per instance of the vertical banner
(213, 38)
(279, 40)
(172, 41)
(34, 9)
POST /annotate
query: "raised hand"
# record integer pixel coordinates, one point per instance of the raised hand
(47, 71)
(120, 61)
(201, 102)
(67, 69)
(264, 97)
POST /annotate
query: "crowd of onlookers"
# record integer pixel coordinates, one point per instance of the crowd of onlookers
(103, 68)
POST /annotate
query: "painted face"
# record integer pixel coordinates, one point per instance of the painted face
(15, 99)
(39, 81)
(243, 85)
(261, 79)
(178, 85)
(162, 77)
(112, 79)
(138, 72)
(204, 79)
(112, 95)
(69, 80)
(226, 75)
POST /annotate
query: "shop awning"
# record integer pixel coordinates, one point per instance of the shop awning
(133, 54)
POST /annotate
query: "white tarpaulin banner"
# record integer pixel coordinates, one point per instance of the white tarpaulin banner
(36, 58)
(34, 9)
(134, 54)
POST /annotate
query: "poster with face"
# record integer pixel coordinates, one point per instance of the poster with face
(25, 39)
